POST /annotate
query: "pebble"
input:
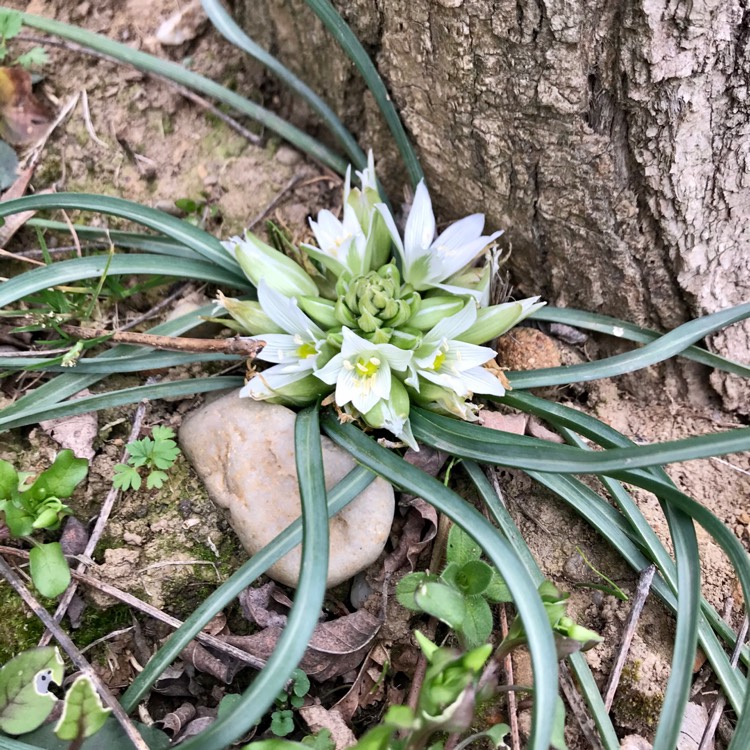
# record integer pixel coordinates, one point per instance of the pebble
(288, 156)
(243, 451)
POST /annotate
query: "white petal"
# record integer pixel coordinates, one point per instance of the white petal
(453, 259)
(346, 386)
(329, 373)
(453, 382)
(368, 391)
(280, 347)
(284, 312)
(460, 233)
(420, 226)
(354, 344)
(449, 328)
(462, 356)
(480, 380)
(398, 359)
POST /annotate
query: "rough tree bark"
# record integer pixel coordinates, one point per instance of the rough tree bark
(610, 139)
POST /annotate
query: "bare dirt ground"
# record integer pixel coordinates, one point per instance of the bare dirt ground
(144, 141)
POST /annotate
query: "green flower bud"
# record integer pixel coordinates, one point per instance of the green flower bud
(392, 414)
(249, 314)
(47, 518)
(322, 311)
(494, 321)
(375, 300)
(432, 310)
(406, 338)
(443, 400)
(301, 392)
(260, 261)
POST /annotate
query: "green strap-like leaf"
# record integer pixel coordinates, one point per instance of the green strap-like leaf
(661, 349)
(544, 659)
(303, 616)
(226, 26)
(348, 41)
(182, 75)
(205, 245)
(621, 329)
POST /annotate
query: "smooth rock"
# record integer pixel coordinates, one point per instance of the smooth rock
(243, 450)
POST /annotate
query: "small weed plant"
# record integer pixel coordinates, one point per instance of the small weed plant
(32, 506)
(150, 456)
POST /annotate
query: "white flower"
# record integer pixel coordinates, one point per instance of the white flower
(362, 371)
(392, 414)
(295, 353)
(455, 364)
(342, 245)
(428, 262)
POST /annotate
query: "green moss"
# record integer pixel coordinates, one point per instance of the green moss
(19, 628)
(97, 623)
(633, 706)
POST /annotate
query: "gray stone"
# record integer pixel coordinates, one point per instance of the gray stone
(243, 451)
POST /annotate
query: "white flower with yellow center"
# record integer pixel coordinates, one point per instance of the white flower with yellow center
(342, 244)
(453, 364)
(361, 371)
(429, 262)
(294, 353)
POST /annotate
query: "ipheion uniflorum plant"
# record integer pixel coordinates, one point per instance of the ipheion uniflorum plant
(377, 331)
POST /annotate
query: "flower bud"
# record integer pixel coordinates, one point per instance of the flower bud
(249, 314)
(392, 414)
(260, 261)
(322, 311)
(432, 310)
(406, 338)
(300, 392)
(494, 321)
(443, 400)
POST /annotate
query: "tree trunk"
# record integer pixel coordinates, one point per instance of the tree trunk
(610, 140)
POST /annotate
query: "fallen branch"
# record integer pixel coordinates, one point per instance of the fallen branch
(239, 345)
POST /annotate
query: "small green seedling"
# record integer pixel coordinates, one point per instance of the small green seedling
(154, 455)
(11, 23)
(461, 594)
(282, 720)
(32, 506)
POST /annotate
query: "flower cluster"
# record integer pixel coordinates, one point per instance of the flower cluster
(378, 331)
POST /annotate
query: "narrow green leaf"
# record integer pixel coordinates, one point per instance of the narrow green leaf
(25, 700)
(303, 616)
(348, 41)
(543, 656)
(659, 350)
(49, 569)
(182, 75)
(226, 26)
(83, 713)
(501, 448)
(91, 268)
(621, 329)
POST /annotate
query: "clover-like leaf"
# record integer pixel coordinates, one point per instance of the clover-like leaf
(126, 477)
(49, 569)
(83, 713)
(155, 479)
(25, 700)
(282, 723)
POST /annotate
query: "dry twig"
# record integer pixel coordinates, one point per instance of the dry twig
(641, 594)
(98, 530)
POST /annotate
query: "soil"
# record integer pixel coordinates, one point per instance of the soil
(170, 546)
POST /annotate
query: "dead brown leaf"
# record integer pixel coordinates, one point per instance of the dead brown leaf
(367, 688)
(174, 721)
(76, 433)
(515, 423)
(23, 117)
(335, 648)
(255, 606)
(317, 718)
